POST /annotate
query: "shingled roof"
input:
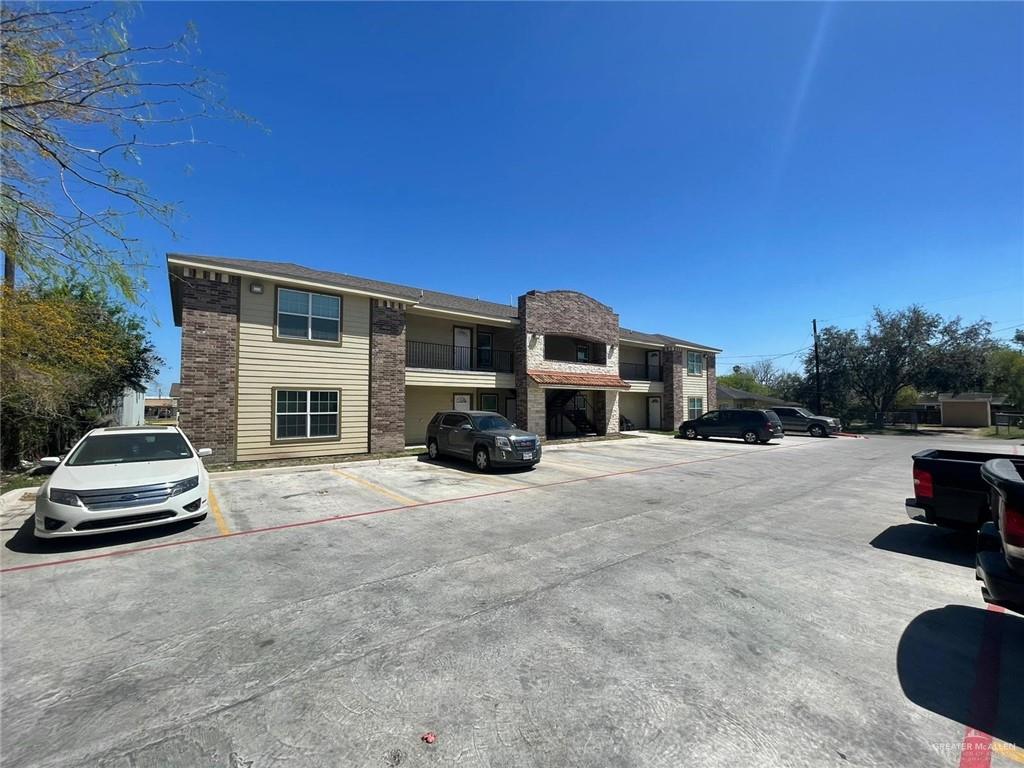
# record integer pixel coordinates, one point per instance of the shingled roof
(662, 339)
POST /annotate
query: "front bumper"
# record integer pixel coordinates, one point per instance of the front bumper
(1002, 585)
(80, 521)
(515, 458)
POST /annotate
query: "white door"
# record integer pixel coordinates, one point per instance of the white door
(654, 413)
(463, 349)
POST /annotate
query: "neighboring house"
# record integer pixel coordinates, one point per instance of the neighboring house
(966, 409)
(161, 407)
(730, 397)
(279, 360)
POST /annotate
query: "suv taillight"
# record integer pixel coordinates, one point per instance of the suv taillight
(1013, 526)
(923, 484)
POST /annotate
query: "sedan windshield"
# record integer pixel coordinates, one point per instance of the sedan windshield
(493, 422)
(122, 449)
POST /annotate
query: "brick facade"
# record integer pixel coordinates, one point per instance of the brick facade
(209, 364)
(673, 374)
(387, 376)
(709, 367)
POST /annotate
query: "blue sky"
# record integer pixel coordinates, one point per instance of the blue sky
(718, 172)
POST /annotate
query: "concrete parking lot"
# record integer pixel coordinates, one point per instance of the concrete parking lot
(647, 602)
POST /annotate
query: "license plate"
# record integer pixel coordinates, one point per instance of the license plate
(528, 455)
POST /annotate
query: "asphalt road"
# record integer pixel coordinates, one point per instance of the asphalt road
(648, 602)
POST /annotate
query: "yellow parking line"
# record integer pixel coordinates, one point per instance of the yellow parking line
(1011, 751)
(374, 487)
(218, 518)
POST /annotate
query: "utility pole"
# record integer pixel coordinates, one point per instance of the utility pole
(817, 370)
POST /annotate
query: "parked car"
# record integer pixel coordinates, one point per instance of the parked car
(801, 420)
(949, 490)
(750, 426)
(488, 439)
(122, 478)
(1000, 559)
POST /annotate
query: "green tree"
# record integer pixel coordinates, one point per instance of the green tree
(66, 354)
(80, 105)
(744, 380)
(1006, 374)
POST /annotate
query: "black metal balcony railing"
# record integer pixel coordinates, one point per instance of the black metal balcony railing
(425, 354)
(640, 371)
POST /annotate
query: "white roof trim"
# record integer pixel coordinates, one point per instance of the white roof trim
(282, 279)
(422, 309)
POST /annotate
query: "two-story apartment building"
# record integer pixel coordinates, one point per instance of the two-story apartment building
(283, 361)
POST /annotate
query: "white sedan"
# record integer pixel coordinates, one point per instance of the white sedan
(121, 478)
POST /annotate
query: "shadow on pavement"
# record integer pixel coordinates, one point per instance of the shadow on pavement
(468, 467)
(24, 539)
(967, 664)
(929, 542)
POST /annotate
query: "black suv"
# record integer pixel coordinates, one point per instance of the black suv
(750, 426)
(488, 438)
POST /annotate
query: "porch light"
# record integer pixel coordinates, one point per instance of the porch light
(256, 288)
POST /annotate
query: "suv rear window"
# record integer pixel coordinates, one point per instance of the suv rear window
(773, 416)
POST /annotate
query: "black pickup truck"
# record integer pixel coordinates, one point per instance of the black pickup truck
(1000, 559)
(949, 490)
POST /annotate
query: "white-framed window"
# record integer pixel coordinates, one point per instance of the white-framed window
(488, 401)
(695, 363)
(306, 315)
(695, 407)
(306, 414)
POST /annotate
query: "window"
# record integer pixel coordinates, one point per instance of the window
(695, 406)
(305, 414)
(489, 402)
(582, 353)
(695, 364)
(311, 316)
(454, 420)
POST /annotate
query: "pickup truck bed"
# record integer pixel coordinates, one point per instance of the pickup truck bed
(949, 490)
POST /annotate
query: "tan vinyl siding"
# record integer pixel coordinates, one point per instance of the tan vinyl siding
(265, 364)
(696, 386)
(432, 377)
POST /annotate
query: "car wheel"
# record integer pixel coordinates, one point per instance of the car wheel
(432, 449)
(482, 459)
(690, 433)
(816, 430)
(750, 437)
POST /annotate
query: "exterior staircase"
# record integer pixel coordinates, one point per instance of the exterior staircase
(574, 406)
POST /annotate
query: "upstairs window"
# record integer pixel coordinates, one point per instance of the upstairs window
(695, 363)
(309, 316)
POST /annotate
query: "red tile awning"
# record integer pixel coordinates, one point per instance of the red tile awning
(579, 380)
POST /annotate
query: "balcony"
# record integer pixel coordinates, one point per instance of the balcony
(445, 357)
(640, 372)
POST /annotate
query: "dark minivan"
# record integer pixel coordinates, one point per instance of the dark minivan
(485, 437)
(750, 426)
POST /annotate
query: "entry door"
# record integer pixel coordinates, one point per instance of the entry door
(510, 409)
(653, 369)
(463, 349)
(654, 413)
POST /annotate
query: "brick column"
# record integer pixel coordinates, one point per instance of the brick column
(208, 404)
(712, 382)
(387, 376)
(674, 373)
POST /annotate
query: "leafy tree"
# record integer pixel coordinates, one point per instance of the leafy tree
(744, 380)
(836, 350)
(958, 360)
(1006, 374)
(66, 355)
(765, 373)
(80, 104)
(793, 387)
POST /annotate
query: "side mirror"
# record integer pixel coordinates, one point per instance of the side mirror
(49, 461)
(466, 427)
(204, 452)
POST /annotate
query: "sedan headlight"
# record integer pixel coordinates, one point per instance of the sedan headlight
(185, 485)
(503, 443)
(58, 496)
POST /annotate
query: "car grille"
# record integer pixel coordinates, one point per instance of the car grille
(525, 444)
(114, 522)
(124, 498)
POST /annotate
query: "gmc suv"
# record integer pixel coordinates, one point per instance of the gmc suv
(485, 437)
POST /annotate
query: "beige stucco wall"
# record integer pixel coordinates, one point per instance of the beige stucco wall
(966, 413)
(264, 363)
(629, 354)
(421, 403)
(633, 406)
